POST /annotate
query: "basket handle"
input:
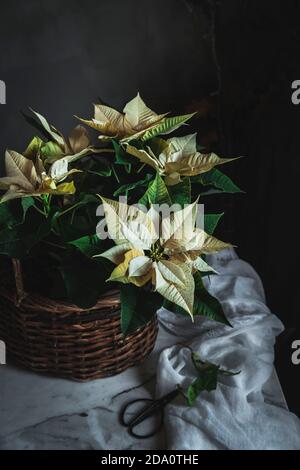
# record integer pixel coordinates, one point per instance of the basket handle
(20, 292)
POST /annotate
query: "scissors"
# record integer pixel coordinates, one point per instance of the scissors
(151, 408)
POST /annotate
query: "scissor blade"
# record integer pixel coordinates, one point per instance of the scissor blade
(146, 412)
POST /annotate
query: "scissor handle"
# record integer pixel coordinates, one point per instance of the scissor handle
(153, 408)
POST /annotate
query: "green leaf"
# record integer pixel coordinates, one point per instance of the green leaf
(96, 164)
(204, 304)
(166, 126)
(181, 193)
(6, 216)
(87, 199)
(123, 158)
(26, 203)
(211, 221)
(84, 278)
(82, 201)
(138, 306)
(105, 172)
(125, 188)
(68, 229)
(17, 242)
(219, 180)
(131, 319)
(228, 373)
(33, 147)
(77, 220)
(89, 245)
(51, 151)
(201, 366)
(207, 379)
(14, 212)
(157, 193)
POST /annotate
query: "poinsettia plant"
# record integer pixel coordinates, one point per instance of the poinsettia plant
(49, 213)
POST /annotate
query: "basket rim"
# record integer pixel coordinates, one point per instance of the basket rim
(40, 303)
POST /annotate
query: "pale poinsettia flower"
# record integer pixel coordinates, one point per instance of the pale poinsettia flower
(177, 157)
(60, 151)
(137, 121)
(28, 177)
(164, 251)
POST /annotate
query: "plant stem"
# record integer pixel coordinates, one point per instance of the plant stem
(69, 209)
(140, 169)
(115, 173)
(104, 150)
(39, 210)
(54, 245)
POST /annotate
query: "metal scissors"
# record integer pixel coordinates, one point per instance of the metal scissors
(151, 408)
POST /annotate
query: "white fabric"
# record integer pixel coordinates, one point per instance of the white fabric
(237, 414)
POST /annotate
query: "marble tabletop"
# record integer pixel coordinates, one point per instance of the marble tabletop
(40, 412)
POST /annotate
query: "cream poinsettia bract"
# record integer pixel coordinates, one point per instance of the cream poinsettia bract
(177, 157)
(28, 177)
(60, 151)
(165, 251)
(133, 123)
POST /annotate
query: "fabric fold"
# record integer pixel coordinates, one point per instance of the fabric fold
(237, 414)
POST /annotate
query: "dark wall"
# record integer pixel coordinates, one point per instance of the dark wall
(258, 51)
(59, 56)
(233, 59)
(258, 45)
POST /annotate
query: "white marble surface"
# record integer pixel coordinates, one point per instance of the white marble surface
(39, 412)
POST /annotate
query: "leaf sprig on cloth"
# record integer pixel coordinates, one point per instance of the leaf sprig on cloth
(206, 380)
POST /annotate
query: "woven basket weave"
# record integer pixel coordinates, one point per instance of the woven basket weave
(60, 339)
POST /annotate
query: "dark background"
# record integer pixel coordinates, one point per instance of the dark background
(234, 60)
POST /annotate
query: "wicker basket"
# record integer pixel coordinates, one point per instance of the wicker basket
(61, 339)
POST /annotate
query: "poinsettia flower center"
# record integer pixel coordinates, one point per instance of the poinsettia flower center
(157, 253)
